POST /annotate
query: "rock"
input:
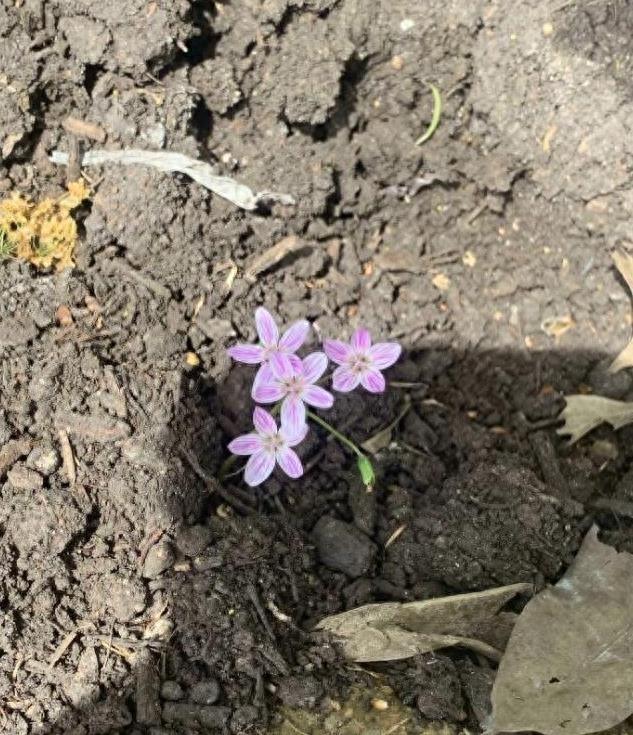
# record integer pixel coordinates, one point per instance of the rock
(193, 714)
(159, 558)
(43, 458)
(300, 691)
(88, 39)
(343, 547)
(22, 478)
(205, 692)
(193, 540)
(244, 717)
(12, 451)
(125, 598)
(171, 691)
(15, 331)
(609, 385)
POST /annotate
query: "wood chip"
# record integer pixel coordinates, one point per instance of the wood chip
(68, 458)
(273, 256)
(63, 316)
(100, 429)
(83, 129)
(148, 710)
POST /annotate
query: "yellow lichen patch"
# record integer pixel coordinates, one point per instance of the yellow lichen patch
(43, 233)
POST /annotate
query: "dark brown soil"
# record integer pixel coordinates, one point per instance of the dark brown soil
(145, 597)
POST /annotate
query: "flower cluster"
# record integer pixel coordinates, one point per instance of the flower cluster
(292, 382)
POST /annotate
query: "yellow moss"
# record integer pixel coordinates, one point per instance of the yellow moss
(43, 233)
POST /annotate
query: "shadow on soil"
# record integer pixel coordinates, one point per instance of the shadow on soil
(474, 486)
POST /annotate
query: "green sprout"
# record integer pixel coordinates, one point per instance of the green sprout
(7, 247)
(435, 118)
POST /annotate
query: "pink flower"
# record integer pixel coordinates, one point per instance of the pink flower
(280, 380)
(360, 362)
(267, 447)
(270, 343)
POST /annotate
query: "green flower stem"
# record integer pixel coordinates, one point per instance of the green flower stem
(343, 439)
(365, 467)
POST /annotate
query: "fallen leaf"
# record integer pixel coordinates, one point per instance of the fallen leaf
(568, 667)
(391, 631)
(441, 282)
(382, 439)
(273, 255)
(624, 263)
(583, 413)
(171, 162)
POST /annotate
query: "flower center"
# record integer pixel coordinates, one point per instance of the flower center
(295, 385)
(273, 443)
(359, 363)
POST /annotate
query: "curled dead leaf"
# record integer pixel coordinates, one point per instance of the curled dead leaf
(584, 413)
(624, 263)
(568, 666)
(392, 630)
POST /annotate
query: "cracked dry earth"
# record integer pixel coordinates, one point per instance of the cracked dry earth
(137, 595)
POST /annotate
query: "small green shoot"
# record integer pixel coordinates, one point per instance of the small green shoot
(367, 474)
(7, 248)
(435, 119)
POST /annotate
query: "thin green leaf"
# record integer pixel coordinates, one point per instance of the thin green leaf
(435, 119)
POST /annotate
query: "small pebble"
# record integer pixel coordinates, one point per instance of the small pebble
(22, 478)
(159, 558)
(44, 459)
(171, 691)
(380, 704)
(343, 547)
(205, 692)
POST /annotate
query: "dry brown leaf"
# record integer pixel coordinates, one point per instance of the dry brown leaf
(382, 439)
(392, 630)
(624, 263)
(568, 667)
(273, 255)
(583, 413)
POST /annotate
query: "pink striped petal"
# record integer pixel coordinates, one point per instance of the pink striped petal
(344, 380)
(318, 397)
(293, 416)
(259, 467)
(266, 327)
(281, 366)
(263, 375)
(295, 335)
(250, 354)
(384, 354)
(246, 444)
(314, 366)
(373, 381)
(296, 362)
(337, 351)
(289, 462)
(268, 392)
(264, 422)
(292, 441)
(361, 339)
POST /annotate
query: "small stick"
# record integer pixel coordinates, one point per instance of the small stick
(68, 458)
(254, 597)
(74, 160)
